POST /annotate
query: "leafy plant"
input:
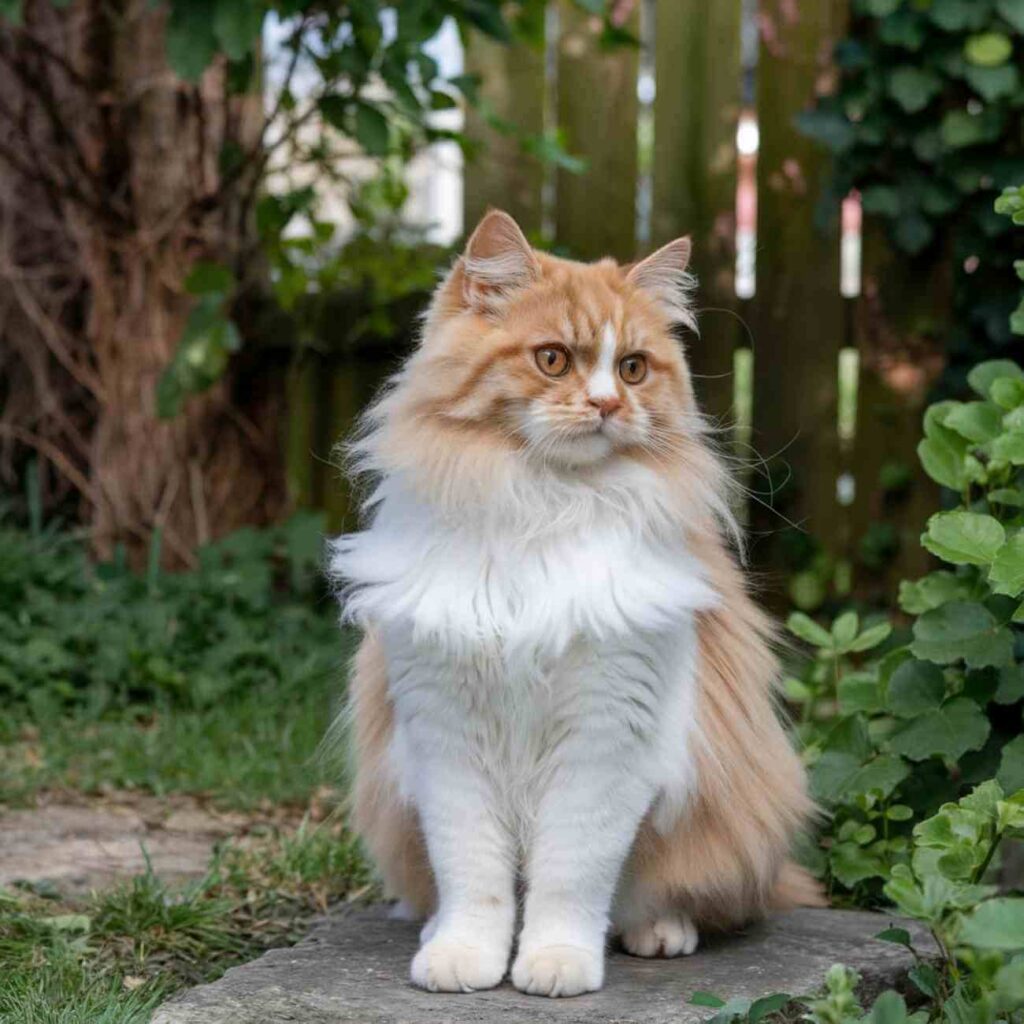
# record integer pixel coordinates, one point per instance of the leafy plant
(923, 125)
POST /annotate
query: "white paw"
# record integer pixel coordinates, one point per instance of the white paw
(668, 936)
(445, 965)
(558, 970)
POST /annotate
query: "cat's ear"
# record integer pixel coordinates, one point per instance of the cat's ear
(498, 260)
(663, 275)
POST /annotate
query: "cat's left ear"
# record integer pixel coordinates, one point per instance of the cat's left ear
(663, 275)
(498, 261)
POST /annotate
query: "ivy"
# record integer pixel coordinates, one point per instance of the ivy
(924, 123)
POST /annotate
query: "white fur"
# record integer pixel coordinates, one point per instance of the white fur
(541, 655)
(601, 383)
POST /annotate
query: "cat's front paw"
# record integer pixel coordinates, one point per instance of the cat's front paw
(668, 936)
(448, 965)
(558, 970)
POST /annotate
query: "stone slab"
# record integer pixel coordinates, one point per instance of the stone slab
(353, 969)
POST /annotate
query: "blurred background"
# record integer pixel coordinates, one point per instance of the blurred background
(219, 223)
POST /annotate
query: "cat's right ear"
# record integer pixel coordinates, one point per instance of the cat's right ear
(497, 262)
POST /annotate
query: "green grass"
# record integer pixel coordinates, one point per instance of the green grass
(261, 746)
(114, 956)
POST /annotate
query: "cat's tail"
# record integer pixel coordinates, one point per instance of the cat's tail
(797, 887)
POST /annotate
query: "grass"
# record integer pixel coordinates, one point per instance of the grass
(260, 747)
(115, 956)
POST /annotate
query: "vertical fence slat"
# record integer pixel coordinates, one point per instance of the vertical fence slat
(903, 303)
(698, 75)
(597, 106)
(797, 314)
(500, 175)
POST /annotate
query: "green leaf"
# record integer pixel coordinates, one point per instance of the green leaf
(371, 129)
(888, 1008)
(915, 687)
(926, 978)
(845, 628)
(977, 421)
(1007, 392)
(804, 627)
(948, 732)
(706, 999)
(995, 924)
(1013, 12)
(942, 463)
(1009, 448)
(237, 25)
(914, 87)
(988, 49)
(965, 630)
(964, 538)
(11, 12)
(1011, 766)
(952, 15)
(851, 863)
(1010, 688)
(870, 637)
(898, 936)
(859, 691)
(760, 1008)
(984, 375)
(993, 83)
(1007, 572)
(191, 43)
(934, 590)
(839, 775)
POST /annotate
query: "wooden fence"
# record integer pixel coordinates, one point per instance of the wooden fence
(839, 458)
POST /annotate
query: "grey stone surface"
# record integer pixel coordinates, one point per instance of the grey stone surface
(354, 968)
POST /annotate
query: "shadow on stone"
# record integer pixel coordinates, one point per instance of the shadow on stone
(354, 968)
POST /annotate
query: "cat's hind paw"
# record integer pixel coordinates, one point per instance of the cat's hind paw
(558, 971)
(445, 965)
(667, 936)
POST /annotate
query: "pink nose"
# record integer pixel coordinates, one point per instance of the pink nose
(606, 405)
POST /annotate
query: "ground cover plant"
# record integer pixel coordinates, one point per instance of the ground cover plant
(219, 681)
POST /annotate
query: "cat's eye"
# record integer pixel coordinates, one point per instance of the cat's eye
(553, 360)
(633, 369)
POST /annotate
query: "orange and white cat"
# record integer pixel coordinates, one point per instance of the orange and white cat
(563, 687)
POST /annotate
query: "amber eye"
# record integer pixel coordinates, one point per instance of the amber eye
(553, 360)
(633, 369)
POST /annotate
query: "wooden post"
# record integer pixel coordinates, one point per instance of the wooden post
(595, 212)
(500, 174)
(698, 74)
(797, 314)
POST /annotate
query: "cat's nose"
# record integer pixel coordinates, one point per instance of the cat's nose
(606, 404)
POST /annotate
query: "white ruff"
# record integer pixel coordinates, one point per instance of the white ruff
(526, 575)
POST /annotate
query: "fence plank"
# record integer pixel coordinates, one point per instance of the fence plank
(597, 106)
(500, 175)
(697, 106)
(903, 308)
(797, 314)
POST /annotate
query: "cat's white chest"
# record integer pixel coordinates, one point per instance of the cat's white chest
(477, 586)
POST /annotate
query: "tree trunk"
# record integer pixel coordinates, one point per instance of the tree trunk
(154, 144)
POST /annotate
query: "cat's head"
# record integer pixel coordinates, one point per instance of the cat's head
(567, 364)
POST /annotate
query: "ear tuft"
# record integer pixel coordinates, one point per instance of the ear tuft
(663, 275)
(498, 260)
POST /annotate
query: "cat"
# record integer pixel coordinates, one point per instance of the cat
(563, 687)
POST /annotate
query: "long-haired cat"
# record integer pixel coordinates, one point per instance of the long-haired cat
(563, 688)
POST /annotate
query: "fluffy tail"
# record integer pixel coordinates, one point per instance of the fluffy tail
(797, 887)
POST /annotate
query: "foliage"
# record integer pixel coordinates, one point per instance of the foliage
(113, 957)
(923, 123)
(220, 680)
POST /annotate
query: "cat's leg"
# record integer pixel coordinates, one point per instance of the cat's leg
(584, 827)
(650, 924)
(466, 944)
